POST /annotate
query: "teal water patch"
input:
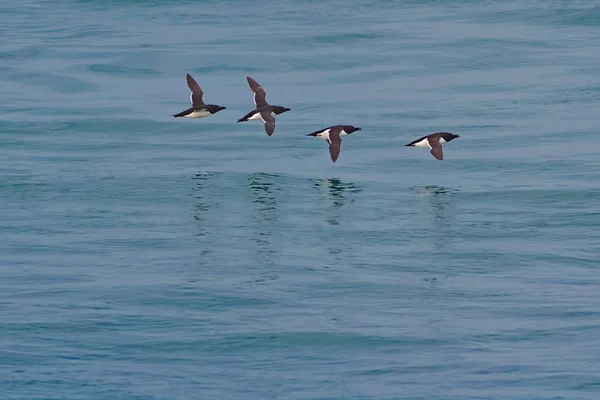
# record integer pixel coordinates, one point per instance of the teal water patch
(151, 257)
(55, 83)
(117, 69)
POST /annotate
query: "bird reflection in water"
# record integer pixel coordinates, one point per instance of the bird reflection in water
(201, 206)
(337, 194)
(263, 188)
(440, 204)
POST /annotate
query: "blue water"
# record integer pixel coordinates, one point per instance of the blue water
(147, 257)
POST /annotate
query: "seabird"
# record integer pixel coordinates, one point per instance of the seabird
(198, 109)
(263, 110)
(333, 135)
(434, 142)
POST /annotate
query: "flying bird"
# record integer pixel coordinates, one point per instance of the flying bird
(198, 109)
(333, 136)
(434, 142)
(263, 111)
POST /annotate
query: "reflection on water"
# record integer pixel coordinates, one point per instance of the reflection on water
(247, 211)
(336, 194)
(263, 188)
(436, 191)
(202, 205)
(242, 210)
(439, 202)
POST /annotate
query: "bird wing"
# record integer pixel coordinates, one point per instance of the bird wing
(335, 143)
(196, 96)
(269, 122)
(436, 148)
(260, 96)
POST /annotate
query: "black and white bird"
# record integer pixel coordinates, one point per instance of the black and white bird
(333, 136)
(263, 111)
(198, 109)
(434, 142)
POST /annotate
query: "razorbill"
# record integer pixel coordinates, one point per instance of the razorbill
(434, 142)
(198, 109)
(263, 110)
(333, 135)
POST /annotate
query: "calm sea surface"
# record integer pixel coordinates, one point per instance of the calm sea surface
(147, 257)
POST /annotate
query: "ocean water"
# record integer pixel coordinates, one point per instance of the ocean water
(147, 257)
